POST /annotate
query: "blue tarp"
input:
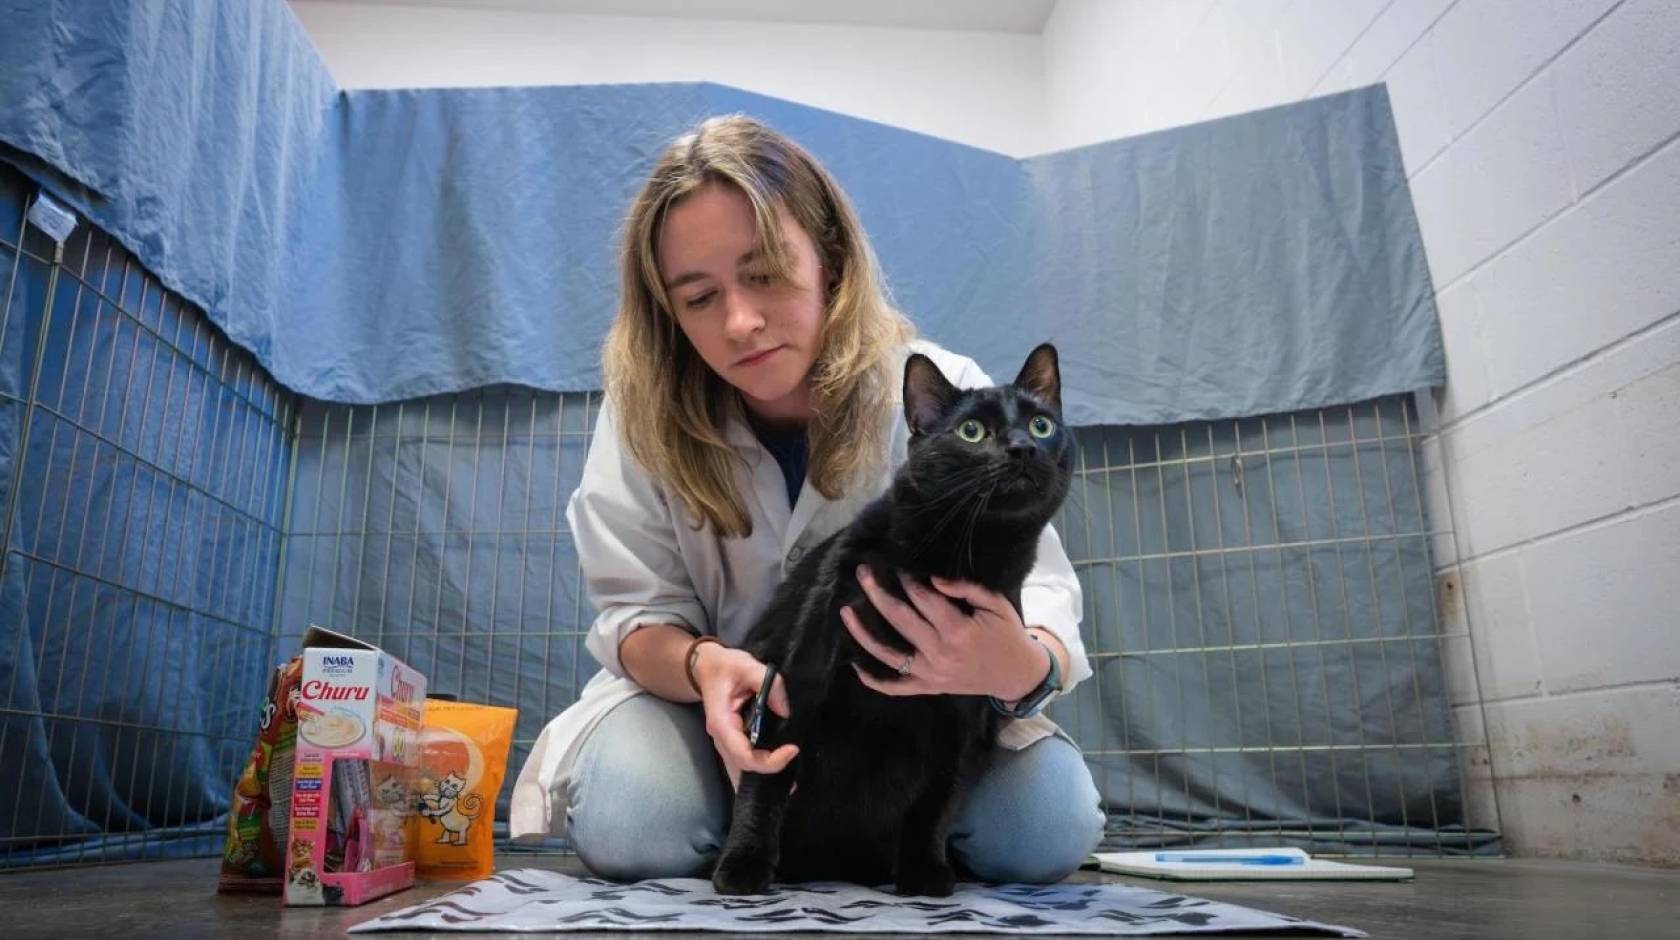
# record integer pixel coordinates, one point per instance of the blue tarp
(374, 246)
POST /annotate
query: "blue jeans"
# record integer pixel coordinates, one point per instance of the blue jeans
(649, 799)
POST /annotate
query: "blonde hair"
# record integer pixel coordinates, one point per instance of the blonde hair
(670, 406)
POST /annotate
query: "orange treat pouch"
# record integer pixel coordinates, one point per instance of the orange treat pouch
(463, 757)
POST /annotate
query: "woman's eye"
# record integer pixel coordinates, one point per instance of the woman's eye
(971, 431)
(1041, 426)
(695, 303)
(758, 280)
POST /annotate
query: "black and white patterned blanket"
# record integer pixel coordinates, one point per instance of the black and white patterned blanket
(536, 901)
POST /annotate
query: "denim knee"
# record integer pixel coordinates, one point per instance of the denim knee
(648, 798)
(1034, 817)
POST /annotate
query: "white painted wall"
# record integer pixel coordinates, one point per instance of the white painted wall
(981, 88)
(1540, 142)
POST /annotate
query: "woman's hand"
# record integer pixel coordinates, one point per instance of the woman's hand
(988, 652)
(728, 679)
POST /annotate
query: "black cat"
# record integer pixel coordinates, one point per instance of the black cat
(871, 796)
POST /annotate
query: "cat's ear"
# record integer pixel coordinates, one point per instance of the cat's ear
(1041, 377)
(927, 393)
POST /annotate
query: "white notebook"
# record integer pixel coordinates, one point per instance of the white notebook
(1282, 864)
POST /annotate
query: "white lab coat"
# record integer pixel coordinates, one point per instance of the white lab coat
(643, 563)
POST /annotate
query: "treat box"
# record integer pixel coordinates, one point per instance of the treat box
(355, 703)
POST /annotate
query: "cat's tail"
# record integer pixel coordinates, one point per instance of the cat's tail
(469, 804)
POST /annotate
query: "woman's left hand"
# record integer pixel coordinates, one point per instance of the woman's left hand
(988, 652)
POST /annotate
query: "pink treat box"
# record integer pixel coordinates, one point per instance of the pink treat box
(359, 715)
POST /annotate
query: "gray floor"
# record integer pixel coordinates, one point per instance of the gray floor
(1449, 899)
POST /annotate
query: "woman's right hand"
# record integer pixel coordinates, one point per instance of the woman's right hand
(729, 679)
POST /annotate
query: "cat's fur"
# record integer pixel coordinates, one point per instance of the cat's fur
(879, 777)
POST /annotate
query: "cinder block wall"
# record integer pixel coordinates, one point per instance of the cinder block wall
(1540, 142)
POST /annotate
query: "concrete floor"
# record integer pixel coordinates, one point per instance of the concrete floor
(1450, 899)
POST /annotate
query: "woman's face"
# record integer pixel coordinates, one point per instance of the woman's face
(759, 334)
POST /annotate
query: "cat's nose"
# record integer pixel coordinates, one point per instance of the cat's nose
(1019, 445)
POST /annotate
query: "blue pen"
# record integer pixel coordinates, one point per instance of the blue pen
(1230, 859)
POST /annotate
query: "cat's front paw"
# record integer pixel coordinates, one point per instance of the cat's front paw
(933, 879)
(741, 873)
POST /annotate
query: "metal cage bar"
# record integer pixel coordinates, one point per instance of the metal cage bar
(142, 519)
(1293, 544)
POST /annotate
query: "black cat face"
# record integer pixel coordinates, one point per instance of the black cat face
(1007, 442)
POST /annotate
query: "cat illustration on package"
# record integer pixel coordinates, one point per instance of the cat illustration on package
(392, 793)
(450, 810)
(391, 822)
(301, 875)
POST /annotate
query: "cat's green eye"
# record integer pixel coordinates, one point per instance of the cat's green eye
(971, 431)
(1041, 426)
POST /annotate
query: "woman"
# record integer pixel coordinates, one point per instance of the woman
(752, 377)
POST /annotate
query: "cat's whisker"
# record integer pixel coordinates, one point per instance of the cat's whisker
(984, 478)
(938, 528)
(957, 484)
(974, 521)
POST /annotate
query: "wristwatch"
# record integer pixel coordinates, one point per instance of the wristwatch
(1033, 702)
